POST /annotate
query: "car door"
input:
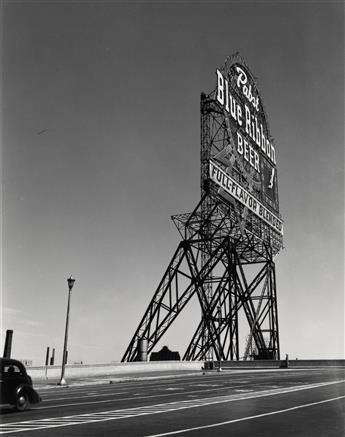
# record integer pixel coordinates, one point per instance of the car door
(12, 376)
(2, 401)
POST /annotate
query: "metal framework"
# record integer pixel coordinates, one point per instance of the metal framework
(226, 259)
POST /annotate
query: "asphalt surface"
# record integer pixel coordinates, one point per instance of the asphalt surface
(304, 402)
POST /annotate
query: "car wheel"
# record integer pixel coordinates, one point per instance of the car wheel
(22, 402)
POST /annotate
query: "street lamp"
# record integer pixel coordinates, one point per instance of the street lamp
(219, 341)
(70, 282)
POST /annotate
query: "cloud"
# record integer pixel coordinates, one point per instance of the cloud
(12, 312)
(34, 335)
(32, 323)
(20, 317)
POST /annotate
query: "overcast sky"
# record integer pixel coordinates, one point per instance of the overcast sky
(100, 146)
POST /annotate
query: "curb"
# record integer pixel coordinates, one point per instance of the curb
(111, 380)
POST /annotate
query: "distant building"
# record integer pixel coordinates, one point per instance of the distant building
(265, 354)
(165, 355)
(26, 362)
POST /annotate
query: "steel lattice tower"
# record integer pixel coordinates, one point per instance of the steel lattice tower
(225, 258)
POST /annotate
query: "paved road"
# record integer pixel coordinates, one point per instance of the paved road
(267, 403)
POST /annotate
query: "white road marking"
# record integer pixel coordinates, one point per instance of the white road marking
(257, 416)
(30, 425)
(77, 395)
(134, 396)
(245, 390)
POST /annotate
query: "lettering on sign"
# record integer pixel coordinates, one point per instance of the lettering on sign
(242, 82)
(227, 183)
(247, 121)
(244, 149)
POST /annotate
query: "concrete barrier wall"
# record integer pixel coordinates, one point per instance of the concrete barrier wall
(280, 363)
(121, 369)
(250, 364)
(113, 369)
(316, 363)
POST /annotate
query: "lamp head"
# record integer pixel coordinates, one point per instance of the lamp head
(70, 282)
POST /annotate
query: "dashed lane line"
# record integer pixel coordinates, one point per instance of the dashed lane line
(79, 419)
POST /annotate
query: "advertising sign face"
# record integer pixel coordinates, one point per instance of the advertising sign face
(247, 156)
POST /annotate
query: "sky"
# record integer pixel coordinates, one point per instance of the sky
(100, 141)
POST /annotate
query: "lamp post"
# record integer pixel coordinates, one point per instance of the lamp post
(70, 282)
(219, 341)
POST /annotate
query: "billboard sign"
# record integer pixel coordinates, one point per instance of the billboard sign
(244, 163)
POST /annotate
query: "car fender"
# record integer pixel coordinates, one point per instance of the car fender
(34, 397)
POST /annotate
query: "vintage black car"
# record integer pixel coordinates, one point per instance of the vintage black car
(16, 385)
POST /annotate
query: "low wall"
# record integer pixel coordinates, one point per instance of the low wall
(269, 364)
(113, 369)
(316, 363)
(123, 369)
